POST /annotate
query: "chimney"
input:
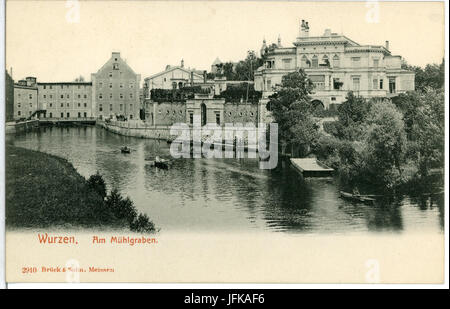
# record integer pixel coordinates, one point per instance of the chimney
(182, 63)
(306, 29)
(192, 78)
(387, 45)
(302, 28)
(204, 77)
(327, 32)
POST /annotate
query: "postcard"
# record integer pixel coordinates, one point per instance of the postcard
(225, 142)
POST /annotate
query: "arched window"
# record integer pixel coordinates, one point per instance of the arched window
(325, 61)
(315, 62)
(336, 61)
(305, 62)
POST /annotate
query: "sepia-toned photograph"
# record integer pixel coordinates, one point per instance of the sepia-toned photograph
(225, 142)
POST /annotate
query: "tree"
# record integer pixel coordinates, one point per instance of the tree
(97, 183)
(385, 144)
(292, 110)
(432, 76)
(428, 130)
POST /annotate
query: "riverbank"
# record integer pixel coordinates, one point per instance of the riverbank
(43, 190)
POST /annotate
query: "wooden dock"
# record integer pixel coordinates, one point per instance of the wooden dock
(310, 167)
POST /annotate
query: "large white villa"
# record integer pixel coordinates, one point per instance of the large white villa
(336, 65)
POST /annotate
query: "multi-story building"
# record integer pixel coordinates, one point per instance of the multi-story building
(65, 99)
(9, 97)
(173, 77)
(336, 65)
(115, 90)
(25, 98)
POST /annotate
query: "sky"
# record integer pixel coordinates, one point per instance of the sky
(51, 41)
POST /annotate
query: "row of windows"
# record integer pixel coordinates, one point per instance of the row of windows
(30, 96)
(67, 104)
(131, 85)
(314, 62)
(68, 115)
(62, 86)
(100, 96)
(19, 104)
(62, 96)
(121, 106)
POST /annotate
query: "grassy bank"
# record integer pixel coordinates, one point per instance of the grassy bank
(43, 190)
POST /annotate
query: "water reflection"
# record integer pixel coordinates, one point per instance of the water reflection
(227, 194)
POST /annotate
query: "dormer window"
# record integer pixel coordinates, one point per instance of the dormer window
(115, 66)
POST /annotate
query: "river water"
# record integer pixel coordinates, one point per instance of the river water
(227, 195)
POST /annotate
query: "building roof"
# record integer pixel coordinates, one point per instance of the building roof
(173, 68)
(65, 83)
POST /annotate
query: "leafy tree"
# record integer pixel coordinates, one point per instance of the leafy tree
(432, 76)
(385, 144)
(122, 208)
(79, 79)
(292, 110)
(428, 130)
(97, 183)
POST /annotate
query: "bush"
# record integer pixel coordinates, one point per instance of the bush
(96, 183)
(142, 224)
(122, 208)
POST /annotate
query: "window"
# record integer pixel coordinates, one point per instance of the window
(62, 115)
(131, 85)
(356, 83)
(85, 96)
(100, 107)
(110, 74)
(68, 105)
(391, 84)
(85, 114)
(131, 107)
(68, 115)
(318, 81)
(79, 115)
(62, 104)
(375, 63)
(31, 104)
(218, 118)
(337, 84)
(30, 96)
(110, 107)
(62, 96)
(121, 95)
(44, 86)
(191, 118)
(110, 85)
(375, 84)
(356, 61)
(51, 105)
(287, 64)
(115, 66)
(381, 84)
(51, 115)
(315, 62)
(121, 107)
(100, 96)
(325, 61)
(269, 85)
(68, 96)
(51, 96)
(51, 87)
(131, 95)
(45, 96)
(18, 113)
(62, 87)
(121, 85)
(100, 85)
(85, 104)
(336, 61)
(79, 96)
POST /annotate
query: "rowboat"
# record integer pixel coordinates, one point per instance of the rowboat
(357, 197)
(158, 162)
(125, 149)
